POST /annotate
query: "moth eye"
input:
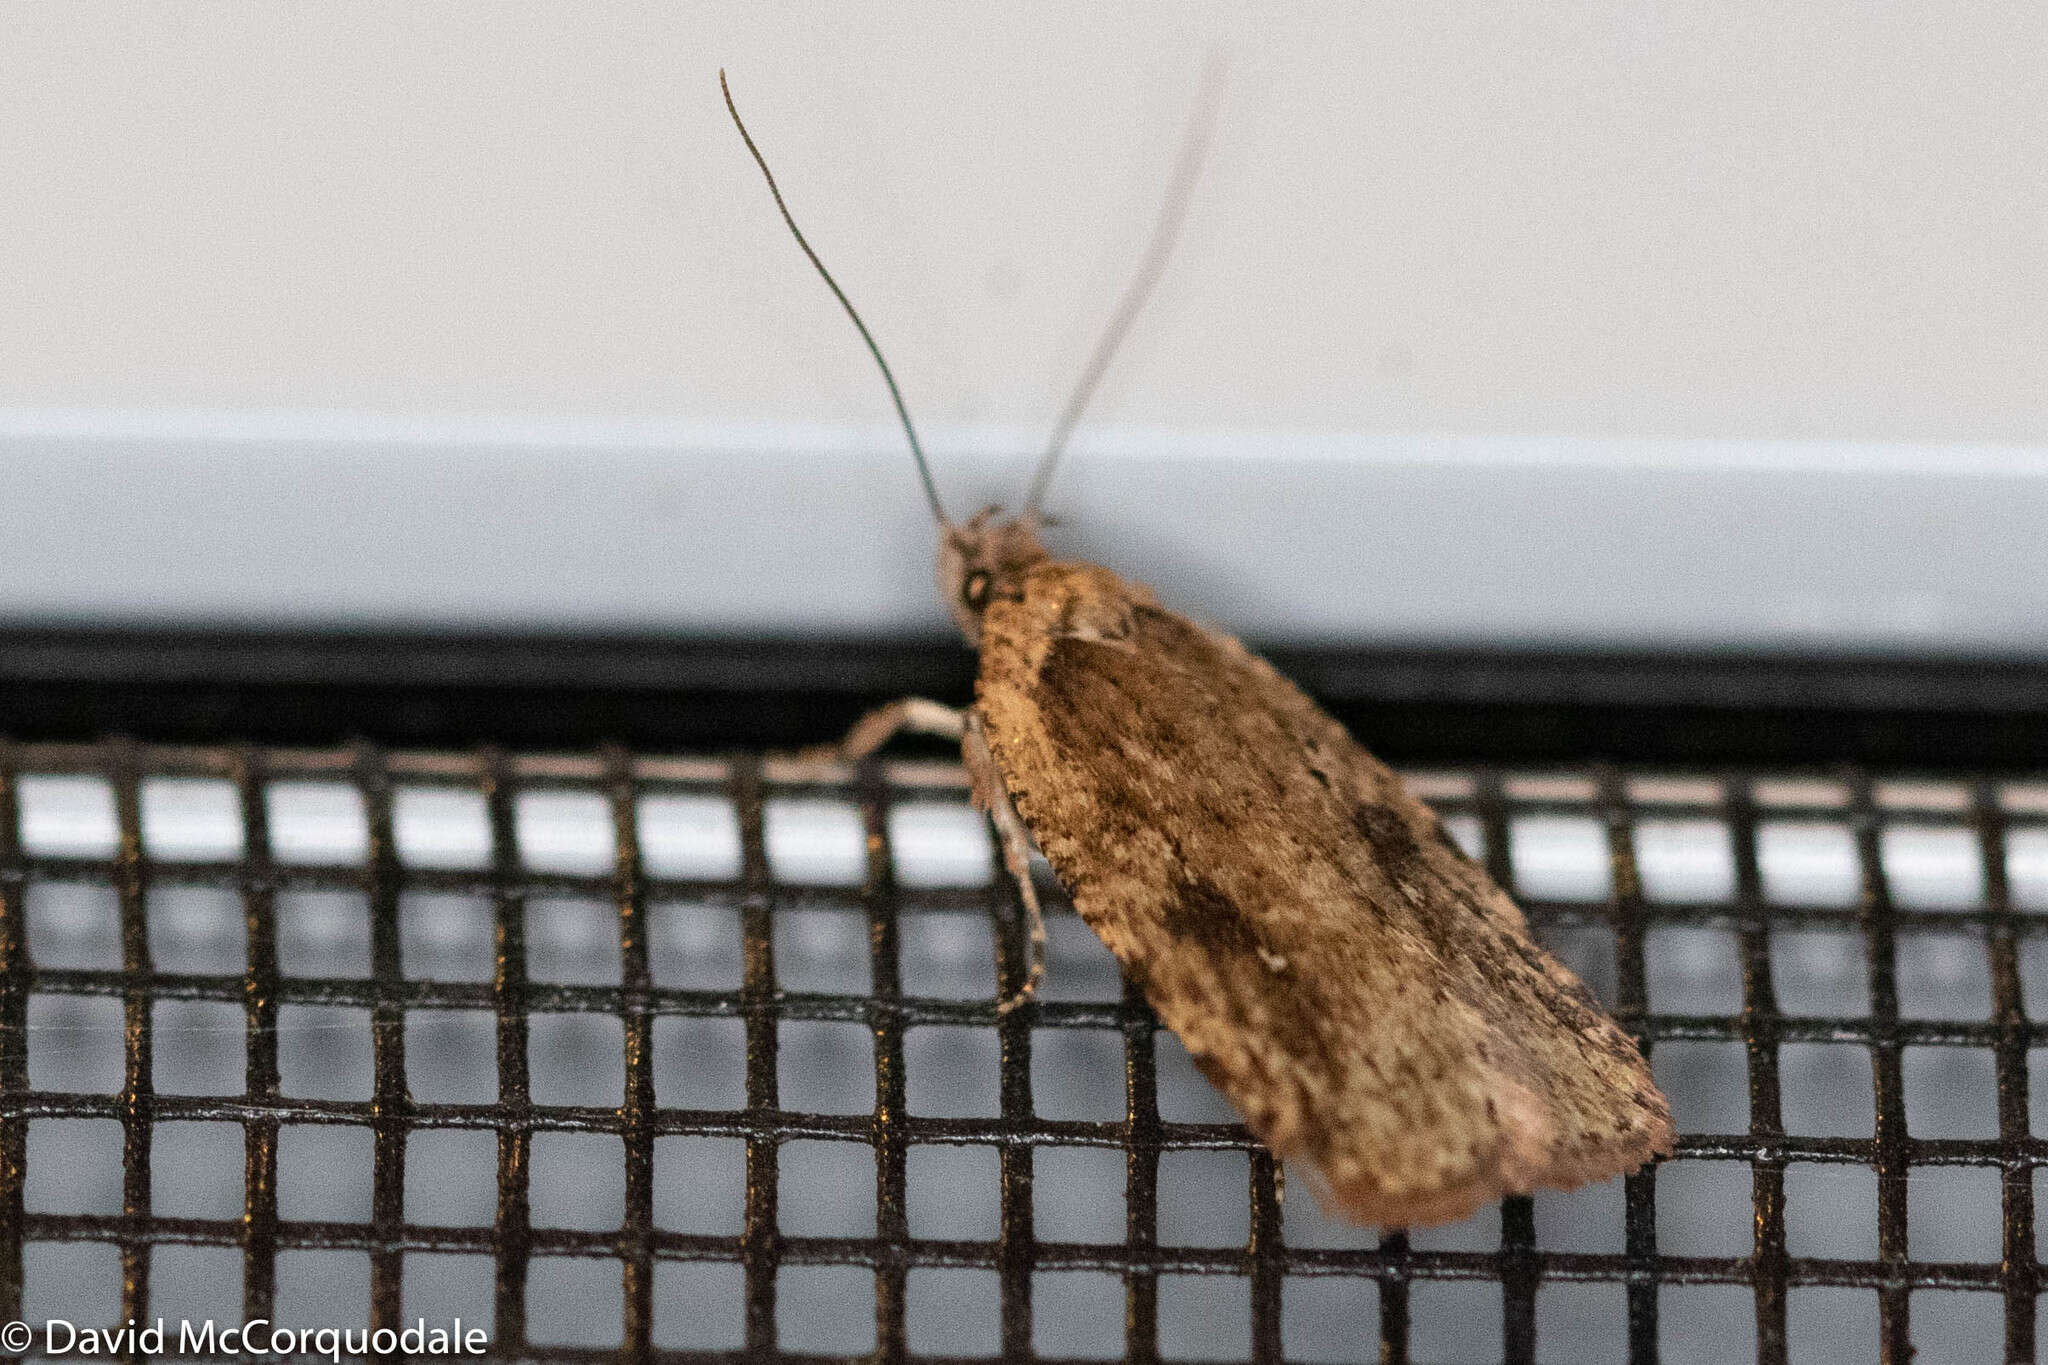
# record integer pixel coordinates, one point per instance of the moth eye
(975, 591)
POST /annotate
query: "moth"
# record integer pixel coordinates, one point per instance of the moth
(1362, 991)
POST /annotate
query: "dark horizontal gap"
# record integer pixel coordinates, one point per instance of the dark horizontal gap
(1410, 704)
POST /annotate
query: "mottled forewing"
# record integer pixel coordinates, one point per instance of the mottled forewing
(1362, 991)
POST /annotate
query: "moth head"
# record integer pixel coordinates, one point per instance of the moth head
(983, 560)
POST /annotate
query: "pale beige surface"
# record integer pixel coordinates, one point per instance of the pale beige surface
(1819, 220)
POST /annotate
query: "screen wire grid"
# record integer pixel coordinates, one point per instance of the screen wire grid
(634, 1057)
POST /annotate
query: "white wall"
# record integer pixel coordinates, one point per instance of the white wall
(528, 228)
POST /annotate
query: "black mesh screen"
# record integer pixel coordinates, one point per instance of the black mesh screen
(617, 1055)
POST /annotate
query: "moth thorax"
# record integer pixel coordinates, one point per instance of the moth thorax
(984, 560)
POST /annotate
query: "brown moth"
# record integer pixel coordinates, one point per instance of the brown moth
(1359, 988)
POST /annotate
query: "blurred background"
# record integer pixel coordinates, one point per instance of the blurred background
(1608, 326)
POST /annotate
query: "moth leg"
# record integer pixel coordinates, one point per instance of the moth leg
(990, 795)
(909, 715)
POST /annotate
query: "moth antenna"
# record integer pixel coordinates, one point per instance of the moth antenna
(924, 472)
(1173, 212)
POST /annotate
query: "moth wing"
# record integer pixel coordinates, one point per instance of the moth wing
(1361, 990)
